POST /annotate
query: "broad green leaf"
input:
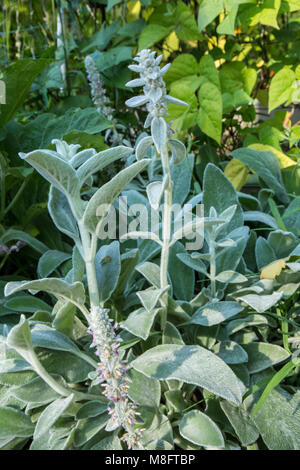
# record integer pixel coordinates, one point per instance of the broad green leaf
(183, 65)
(108, 268)
(14, 423)
(55, 170)
(235, 76)
(199, 429)
(269, 12)
(151, 34)
(108, 193)
(237, 173)
(86, 140)
(191, 364)
(208, 11)
(264, 355)
(18, 78)
(281, 87)
(214, 313)
(209, 71)
(58, 287)
(186, 26)
(210, 113)
(40, 132)
(227, 25)
(51, 414)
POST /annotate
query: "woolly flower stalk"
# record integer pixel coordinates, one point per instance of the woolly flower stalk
(155, 95)
(113, 377)
(98, 91)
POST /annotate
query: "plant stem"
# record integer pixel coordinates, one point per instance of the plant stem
(89, 244)
(167, 219)
(213, 267)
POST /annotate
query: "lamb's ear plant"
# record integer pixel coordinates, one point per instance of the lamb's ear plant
(68, 171)
(187, 367)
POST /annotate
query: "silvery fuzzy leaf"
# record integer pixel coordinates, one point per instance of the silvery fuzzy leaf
(139, 322)
(231, 277)
(154, 192)
(261, 303)
(82, 157)
(101, 160)
(108, 268)
(61, 213)
(150, 297)
(109, 192)
(135, 82)
(65, 149)
(143, 147)
(193, 263)
(214, 313)
(135, 68)
(178, 151)
(158, 59)
(159, 133)
(57, 171)
(173, 100)
(137, 101)
(155, 94)
(148, 120)
(201, 430)
(164, 69)
(134, 235)
(191, 364)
